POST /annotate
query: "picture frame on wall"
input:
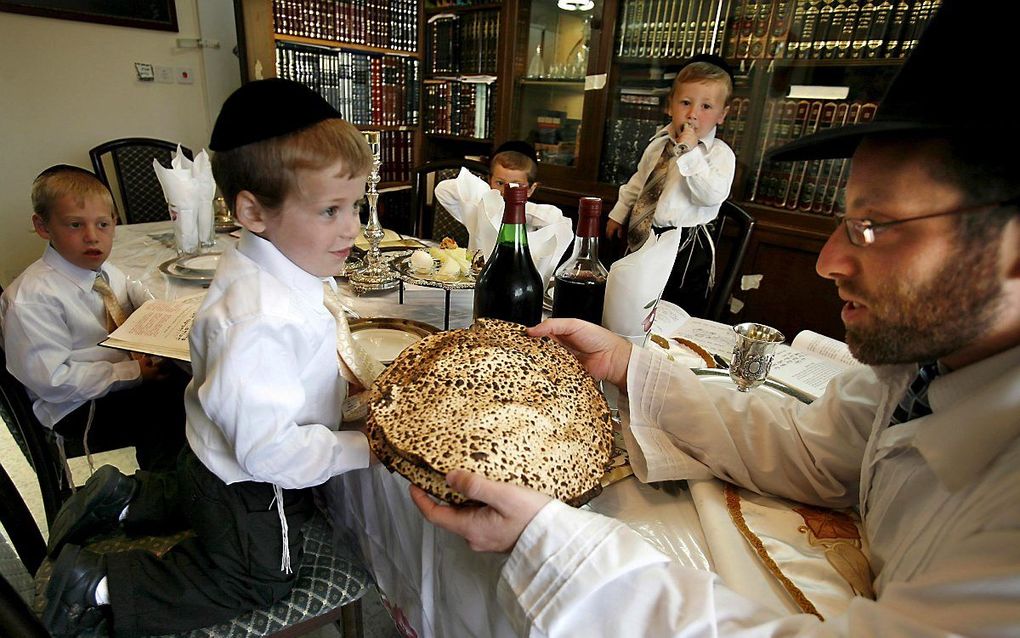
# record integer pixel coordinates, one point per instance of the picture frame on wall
(143, 14)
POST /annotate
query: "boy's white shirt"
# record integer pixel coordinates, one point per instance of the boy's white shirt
(697, 182)
(471, 201)
(52, 322)
(265, 400)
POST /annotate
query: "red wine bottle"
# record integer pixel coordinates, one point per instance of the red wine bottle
(509, 286)
(580, 288)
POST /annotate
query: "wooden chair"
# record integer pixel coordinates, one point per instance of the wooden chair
(729, 215)
(135, 186)
(432, 221)
(330, 578)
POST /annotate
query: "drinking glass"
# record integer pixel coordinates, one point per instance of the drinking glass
(754, 349)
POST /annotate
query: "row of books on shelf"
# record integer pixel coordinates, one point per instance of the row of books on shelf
(455, 3)
(455, 107)
(810, 186)
(733, 128)
(463, 44)
(396, 150)
(670, 28)
(827, 29)
(367, 89)
(764, 29)
(390, 24)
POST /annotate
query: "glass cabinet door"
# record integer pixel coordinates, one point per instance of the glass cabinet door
(550, 92)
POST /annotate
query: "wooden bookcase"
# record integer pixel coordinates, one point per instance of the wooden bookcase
(633, 50)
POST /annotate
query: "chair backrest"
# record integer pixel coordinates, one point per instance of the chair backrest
(432, 221)
(134, 183)
(729, 215)
(34, 439)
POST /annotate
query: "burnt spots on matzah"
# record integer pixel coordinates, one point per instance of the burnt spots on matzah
(491, 399)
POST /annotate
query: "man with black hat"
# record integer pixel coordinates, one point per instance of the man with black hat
(925, 442)
(264, 405)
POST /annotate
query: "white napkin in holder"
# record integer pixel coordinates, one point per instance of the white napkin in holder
(188, 188)
(635, 284)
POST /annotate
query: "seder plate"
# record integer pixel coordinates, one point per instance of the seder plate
(433, 280)
(385, 338)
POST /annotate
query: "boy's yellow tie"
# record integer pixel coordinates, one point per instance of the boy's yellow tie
(641, 214)
(355, 364)
(114, 311)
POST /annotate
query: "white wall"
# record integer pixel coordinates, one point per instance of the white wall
(67, 86)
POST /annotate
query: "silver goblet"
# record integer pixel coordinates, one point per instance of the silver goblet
(753, 352)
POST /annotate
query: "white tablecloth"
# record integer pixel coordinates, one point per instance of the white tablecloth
(434, 584)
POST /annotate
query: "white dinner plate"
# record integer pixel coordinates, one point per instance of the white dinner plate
(203, 264)
(171, 269)
(385, 338)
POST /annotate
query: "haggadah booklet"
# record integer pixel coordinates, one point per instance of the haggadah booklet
(806, 365)
(158, 328)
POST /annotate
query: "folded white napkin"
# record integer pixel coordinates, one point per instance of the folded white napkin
(188, 188)
(471, 201)
(635, 284)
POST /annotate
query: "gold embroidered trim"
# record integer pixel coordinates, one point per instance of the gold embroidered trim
(733, 505)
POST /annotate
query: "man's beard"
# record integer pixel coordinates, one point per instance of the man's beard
(936, 318)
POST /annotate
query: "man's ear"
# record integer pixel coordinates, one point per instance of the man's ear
(1011, 248)
(40, 227)
(249, 212)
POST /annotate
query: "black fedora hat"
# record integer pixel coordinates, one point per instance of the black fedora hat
(959, 59)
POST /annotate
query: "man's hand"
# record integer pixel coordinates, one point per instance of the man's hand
(152, 368)
(494, 527)
(614, 230)
(603, 354)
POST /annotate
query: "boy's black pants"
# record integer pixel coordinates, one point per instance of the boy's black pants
(687, 285)
(231, 565)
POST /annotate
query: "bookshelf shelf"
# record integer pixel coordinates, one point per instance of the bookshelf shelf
(346, 46)
(566, 84)
(387, 127)
(430, 11)
(458, 138)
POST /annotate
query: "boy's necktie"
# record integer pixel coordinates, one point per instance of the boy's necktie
(356, 365)
(114, 312)
(914, 404)
(643, 211)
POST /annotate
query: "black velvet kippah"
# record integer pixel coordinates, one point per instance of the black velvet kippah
(519, 146)
(711, 59)
(267, 108)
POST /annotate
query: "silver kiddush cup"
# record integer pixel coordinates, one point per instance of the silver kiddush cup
(753, 352)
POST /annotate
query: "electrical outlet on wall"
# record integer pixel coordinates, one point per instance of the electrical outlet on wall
(164, 74)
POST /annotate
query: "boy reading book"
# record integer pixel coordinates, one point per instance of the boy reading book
(55, 312)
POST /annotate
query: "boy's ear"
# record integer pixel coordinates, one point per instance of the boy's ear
(40, 227)
(722, 116)
(249, 212)
(534, 187)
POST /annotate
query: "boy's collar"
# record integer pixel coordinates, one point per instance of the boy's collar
(82, 277)
(269, 257)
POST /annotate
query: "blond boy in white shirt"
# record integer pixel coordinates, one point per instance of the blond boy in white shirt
(54, 315)
(264, 407)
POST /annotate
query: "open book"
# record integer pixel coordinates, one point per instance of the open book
(805, 365)
(159, 328)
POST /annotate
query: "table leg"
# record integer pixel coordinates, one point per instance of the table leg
(401, 295)
(446, 316)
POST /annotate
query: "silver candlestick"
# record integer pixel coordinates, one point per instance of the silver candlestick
(376, 274)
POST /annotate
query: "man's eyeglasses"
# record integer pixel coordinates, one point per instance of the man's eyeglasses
(863, 232)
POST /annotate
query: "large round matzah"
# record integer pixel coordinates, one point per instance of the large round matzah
(492, 400)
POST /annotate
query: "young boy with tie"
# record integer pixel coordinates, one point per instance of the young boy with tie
(683, 177)
(264, 407)
(56, 312)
